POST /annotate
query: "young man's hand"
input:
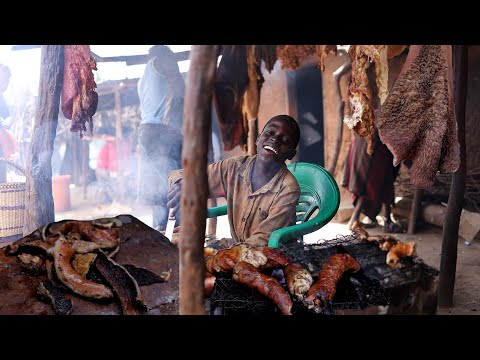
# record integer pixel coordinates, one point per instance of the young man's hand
(173, 197)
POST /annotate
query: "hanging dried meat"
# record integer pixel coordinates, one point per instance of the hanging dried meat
(322, 52)
(361, 118)
(251, 98)
(230, 84)
(79, 99)
(417, 120)
(292, 56)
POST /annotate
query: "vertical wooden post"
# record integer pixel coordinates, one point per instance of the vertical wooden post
(39, 207)
(252, 136)
(193, 207)
(415, 211)
(448, 260)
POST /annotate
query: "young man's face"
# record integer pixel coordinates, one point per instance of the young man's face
(276, 141)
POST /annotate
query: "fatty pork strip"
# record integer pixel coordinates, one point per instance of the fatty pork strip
(398, 251)
(417, 121)
(105, 238)
(123, 284)
(268, 286)
(62, 255)
(324, 288)
(79, 99)
(298, 280)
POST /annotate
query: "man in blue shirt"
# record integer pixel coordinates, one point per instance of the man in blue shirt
(161, 90)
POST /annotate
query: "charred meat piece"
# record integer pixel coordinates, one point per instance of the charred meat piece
(62, 255)
(123, 284)
(52, 275)
(398, 251)
(49, 293)
(34, 264)
(359, 231)
(79, 99)
(268, 286)
(324, 288)
(145, 277)
(298, 280)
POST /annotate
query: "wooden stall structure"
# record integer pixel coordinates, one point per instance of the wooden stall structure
(201, 78)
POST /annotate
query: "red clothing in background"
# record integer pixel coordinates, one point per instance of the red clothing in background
(108, 156)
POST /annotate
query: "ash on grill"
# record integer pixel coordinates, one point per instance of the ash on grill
(371, 286)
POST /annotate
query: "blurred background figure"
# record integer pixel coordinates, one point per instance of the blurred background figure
(8, 143)
(116, 159)
(161, 90)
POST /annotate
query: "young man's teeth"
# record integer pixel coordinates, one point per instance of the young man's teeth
(270, 148)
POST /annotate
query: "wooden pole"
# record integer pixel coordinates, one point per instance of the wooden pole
(448, 260)
(39, 207)
(193, 208)
(252, 136)
(415, 211)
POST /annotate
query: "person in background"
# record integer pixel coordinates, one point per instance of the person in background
(114, 159)
(370, 179)
(161, 90)
(261, 193)
(8, 143)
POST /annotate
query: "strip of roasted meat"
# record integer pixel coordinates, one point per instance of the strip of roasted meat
(323, 290)
(124, 285)
(53, 295)
(268, 286)
(145, 277)
(62, 255)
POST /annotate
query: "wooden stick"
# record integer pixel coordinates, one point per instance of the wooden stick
(39, 208)
(448, 260)
(193, 206)
(415, 211)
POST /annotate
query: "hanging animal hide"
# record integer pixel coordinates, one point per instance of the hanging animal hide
(417, 121)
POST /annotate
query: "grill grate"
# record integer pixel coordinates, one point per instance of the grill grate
(368, 287)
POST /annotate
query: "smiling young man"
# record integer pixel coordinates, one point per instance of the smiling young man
(261, 193)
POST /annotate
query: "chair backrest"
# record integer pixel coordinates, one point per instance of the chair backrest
(318, 191)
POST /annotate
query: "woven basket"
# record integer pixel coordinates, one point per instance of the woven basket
(12, 204)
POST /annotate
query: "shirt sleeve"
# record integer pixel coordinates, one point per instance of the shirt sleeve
(281, 214)
(216, 172)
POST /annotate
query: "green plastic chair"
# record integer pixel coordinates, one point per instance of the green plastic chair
(318, 190)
